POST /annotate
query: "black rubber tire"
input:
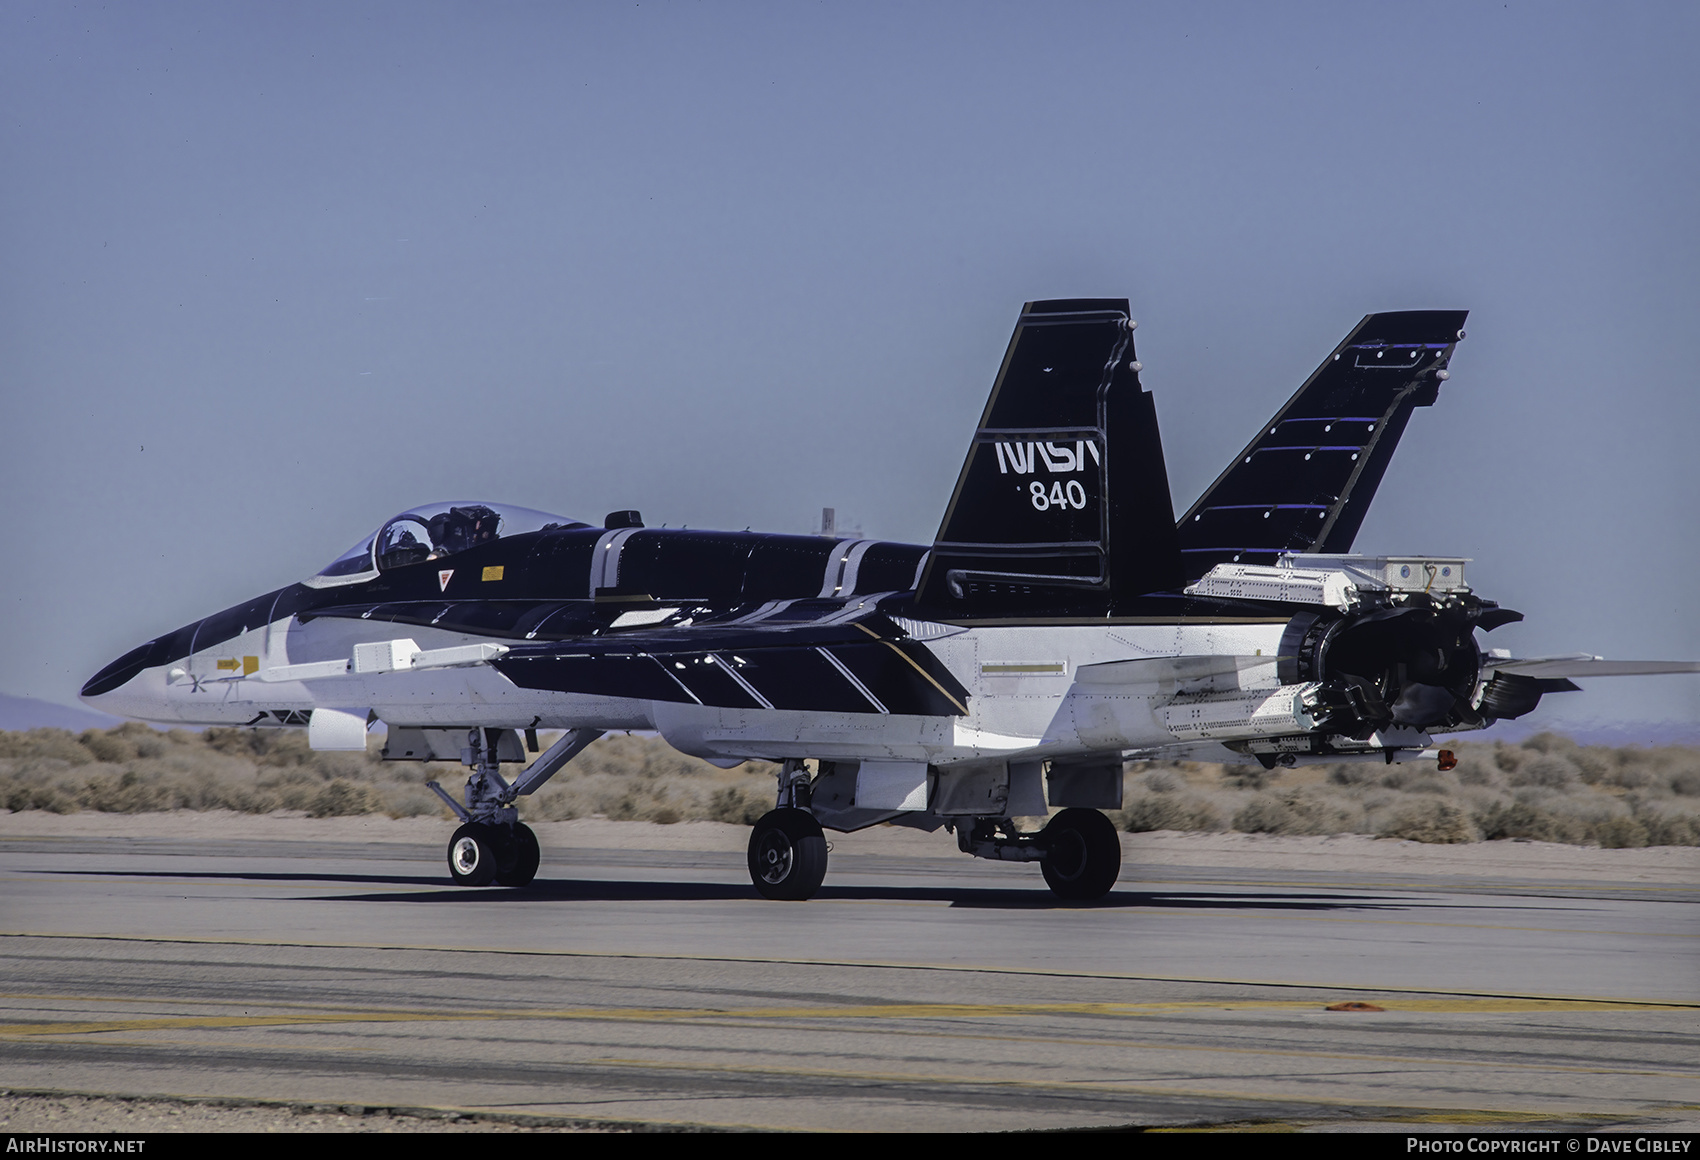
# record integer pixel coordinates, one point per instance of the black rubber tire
(787, 855)
(1083, 855)
(472, 855)
(520, 865)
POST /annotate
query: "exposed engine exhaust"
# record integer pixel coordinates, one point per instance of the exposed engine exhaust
(1389, 651)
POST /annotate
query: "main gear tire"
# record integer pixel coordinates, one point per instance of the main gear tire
(1083, 855)
(787, 855)
(473, 855)
(524, 856)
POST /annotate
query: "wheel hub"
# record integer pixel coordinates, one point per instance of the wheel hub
(465, 855)
(1068, 856)
(775, 859)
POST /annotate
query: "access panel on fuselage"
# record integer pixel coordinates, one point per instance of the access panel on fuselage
(786, 567)
(686, 565)
(558, 565)
(889, 568)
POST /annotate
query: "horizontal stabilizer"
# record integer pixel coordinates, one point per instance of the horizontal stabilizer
(1583, 665)
(1305, 482)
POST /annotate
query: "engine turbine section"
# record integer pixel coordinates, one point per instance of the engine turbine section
(1410, 665)
(1390, 648)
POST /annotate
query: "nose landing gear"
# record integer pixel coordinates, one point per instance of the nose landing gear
(480, 854)
(492, 844)
(472, 854)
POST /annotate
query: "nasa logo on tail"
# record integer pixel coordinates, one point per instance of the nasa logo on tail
(1058, 459)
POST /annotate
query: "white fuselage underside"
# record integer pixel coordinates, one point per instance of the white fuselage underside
(1026, 694)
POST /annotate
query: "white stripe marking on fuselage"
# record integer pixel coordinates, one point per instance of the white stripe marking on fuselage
(742, 683)
(851, 677)
(605, 561)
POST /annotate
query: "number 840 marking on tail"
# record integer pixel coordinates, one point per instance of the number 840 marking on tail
(1073, 495)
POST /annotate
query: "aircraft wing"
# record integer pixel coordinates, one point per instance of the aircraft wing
(862, 666)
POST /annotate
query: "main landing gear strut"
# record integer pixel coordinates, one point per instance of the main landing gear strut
(1078, 851)
(787, 848)
(492, 844)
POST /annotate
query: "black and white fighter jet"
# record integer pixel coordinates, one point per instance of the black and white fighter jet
(1061, 622)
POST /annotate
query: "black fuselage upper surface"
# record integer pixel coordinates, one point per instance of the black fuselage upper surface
(540, 586)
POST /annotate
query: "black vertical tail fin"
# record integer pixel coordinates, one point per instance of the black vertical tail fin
(1304, 483)
(1062, 507)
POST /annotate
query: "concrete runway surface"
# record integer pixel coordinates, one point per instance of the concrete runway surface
(922, 990)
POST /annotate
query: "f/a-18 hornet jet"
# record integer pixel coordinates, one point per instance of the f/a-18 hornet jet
(1060, 623)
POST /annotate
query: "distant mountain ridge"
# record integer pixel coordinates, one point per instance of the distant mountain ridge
(1649, 734)
(20, 713)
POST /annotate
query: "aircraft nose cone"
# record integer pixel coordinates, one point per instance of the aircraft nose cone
(120, 672)
(135, 685)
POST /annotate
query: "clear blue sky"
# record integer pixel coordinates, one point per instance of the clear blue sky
(270, 273)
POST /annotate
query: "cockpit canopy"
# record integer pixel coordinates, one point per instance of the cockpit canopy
(433, 532)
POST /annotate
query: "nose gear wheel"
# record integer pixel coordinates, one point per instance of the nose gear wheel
(472, 855)
(525, 856)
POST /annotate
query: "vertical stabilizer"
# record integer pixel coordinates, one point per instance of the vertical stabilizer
(1305, 481)
(1062, 507)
